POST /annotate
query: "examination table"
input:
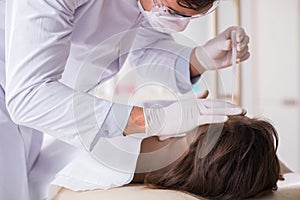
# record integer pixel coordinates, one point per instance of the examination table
(289, 189)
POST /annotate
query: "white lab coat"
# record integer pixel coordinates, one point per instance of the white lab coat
(58, 50)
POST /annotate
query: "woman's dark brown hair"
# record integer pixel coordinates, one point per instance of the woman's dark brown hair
(241, 164)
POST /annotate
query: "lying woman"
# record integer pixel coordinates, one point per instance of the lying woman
(236, 160)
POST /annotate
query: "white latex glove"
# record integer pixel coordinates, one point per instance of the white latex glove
(185, 115)
(165, 137)
(217, 52)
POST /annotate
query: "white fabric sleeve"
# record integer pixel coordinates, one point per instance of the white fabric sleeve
(182, 67)
(156, 55)
(37, 42)
(114, 123)
(115, 168)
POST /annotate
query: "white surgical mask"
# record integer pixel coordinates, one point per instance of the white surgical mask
(163, 22)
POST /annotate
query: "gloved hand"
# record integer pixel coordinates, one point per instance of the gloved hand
(185, 115)
(204, 95)
(217, 52)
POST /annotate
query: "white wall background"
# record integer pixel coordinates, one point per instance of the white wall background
(275, 29)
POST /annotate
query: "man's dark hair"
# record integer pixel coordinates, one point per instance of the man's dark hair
(195, 4)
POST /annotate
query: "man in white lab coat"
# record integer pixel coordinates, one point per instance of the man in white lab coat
(53, 52)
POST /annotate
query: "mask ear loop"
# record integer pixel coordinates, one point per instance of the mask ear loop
(158, 6)
(155, 4)
(233, 60)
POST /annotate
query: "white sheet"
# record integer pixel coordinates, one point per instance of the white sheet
(115, 169)
(292, 180)
(288, 190)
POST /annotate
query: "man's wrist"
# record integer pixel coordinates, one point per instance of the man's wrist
(196, 68)
(136, 121)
